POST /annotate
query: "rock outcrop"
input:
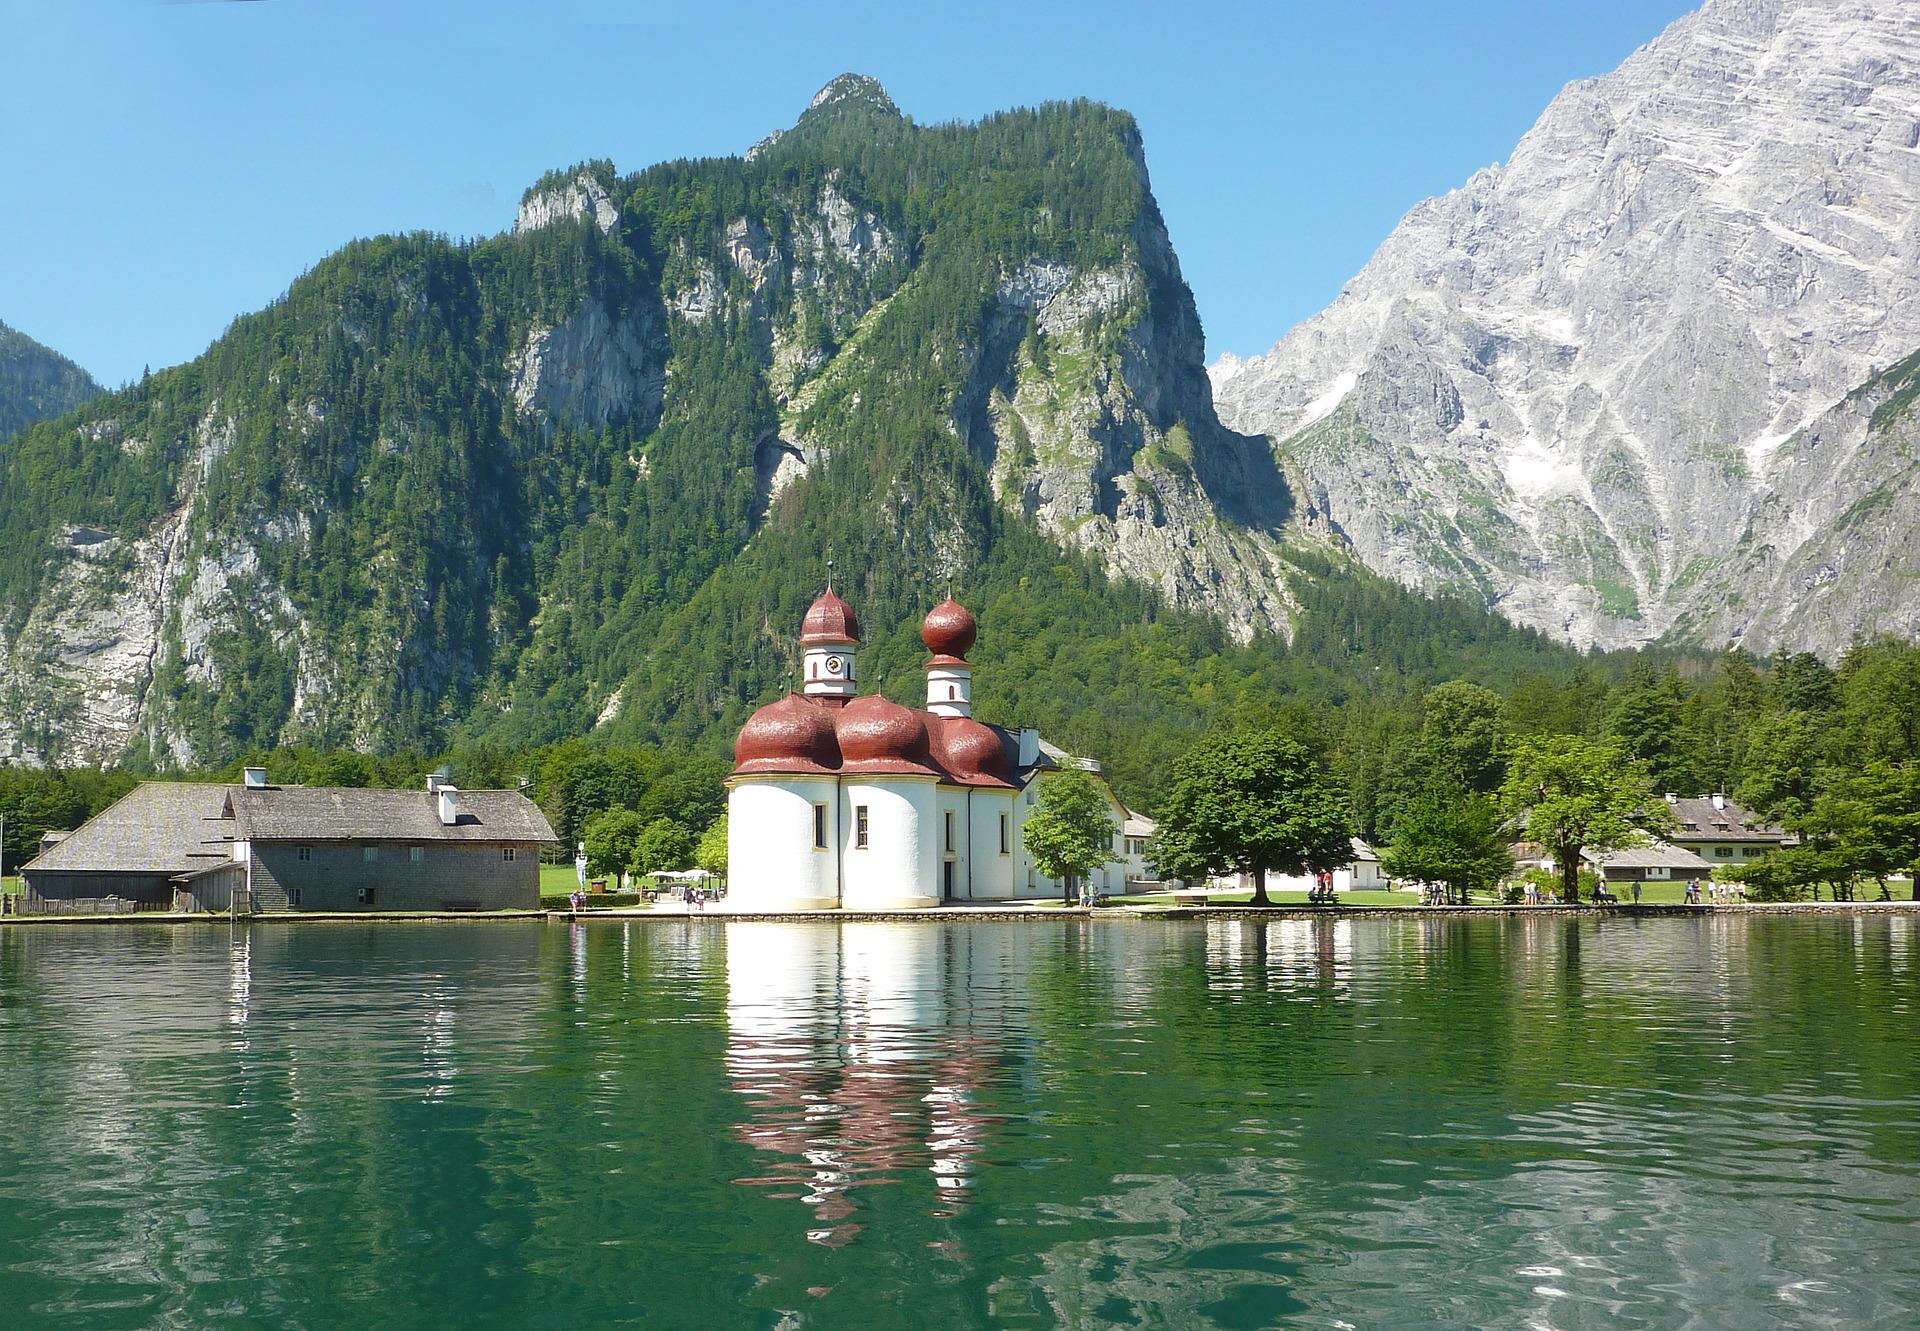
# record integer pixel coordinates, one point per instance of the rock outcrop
(1582, 387)
(580, 196)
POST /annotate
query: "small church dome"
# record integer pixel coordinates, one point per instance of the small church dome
(830, 620)
(877, 734)
(791, 735)
(971, 751)
(949, 630)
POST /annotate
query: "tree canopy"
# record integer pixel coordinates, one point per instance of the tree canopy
(1071, 833)
(1573, 794)
(1452, 836)
(1251, 802)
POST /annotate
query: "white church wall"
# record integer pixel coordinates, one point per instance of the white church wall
(950, 801)
(772, 862)
(898, 868)
(993, 878)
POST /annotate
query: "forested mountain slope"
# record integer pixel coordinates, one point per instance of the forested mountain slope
(1585, 386)
(37, 382)
(583, 477)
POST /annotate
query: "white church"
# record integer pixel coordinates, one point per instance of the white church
(839, 800)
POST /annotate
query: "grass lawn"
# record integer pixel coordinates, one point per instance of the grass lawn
(556, 880)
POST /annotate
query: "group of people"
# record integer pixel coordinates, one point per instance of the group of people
(1715, 894)
(696, 898)
(1321, 893)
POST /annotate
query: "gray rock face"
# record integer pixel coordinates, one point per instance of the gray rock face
(1581, 386)
(593, 369)
(1112, 444)
(583, 196)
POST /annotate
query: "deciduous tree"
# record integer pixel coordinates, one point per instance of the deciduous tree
(1579, 794)
(611, 838)
(663, 846)
(1251, 803)
(1451, 836)
(711, 853)
(1071, 833)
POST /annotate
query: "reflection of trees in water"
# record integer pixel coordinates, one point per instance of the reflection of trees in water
(840, 1043)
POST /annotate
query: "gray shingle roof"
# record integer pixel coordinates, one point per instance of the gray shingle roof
(1697, 819)
(162, 826)
(180, 827)
(1659, 855)
(334, 813)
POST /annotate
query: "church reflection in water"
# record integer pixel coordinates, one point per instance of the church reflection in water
(859, 1062)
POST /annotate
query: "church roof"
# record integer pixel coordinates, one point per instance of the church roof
(872, 735)
(830, 621)
(949, 631)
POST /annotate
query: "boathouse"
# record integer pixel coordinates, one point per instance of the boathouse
(199, 846)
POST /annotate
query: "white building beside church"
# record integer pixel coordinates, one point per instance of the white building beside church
(843, 800)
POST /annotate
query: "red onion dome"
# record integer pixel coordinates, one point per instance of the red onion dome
(792, 735)
(949, 630)
(973, 753)
(830, 620)
(879, 735)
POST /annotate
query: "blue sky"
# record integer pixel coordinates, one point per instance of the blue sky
(167, 166)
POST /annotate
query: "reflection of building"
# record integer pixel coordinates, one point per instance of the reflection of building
(838, 1041)
(299, 848)
(838, 799)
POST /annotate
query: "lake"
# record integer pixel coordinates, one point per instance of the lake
(1504, 1122)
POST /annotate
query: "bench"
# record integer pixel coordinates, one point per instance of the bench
(1190, 898)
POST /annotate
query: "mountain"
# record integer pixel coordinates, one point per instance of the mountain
(583, 476)
(1636, 382)
(37, 382)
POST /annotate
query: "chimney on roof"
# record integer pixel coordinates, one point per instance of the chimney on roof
(256, 778)
(435, 780)
(449, 800)
(1720, 801)
(1029, 746)
(1672, 798)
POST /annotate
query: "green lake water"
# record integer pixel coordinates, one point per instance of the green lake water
(1534, 1122)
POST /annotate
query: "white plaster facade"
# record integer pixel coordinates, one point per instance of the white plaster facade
(842, 801)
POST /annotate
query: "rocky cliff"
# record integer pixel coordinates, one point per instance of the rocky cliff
(1613, 387)
(506, 489)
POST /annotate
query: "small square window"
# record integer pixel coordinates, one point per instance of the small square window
(370, 853)
(506, 853)
(365, 896)
(306, 852)
(416, 853)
